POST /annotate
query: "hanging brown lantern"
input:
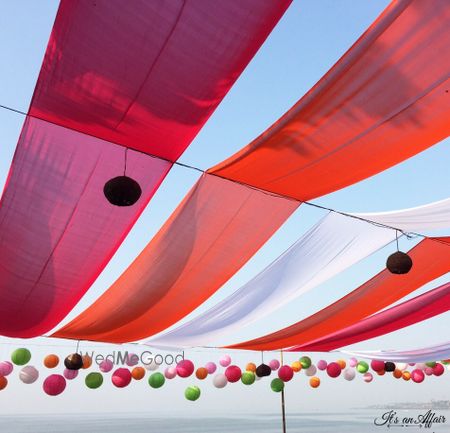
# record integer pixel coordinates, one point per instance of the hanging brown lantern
(74, 361)
(389, 366)
(122, 191)
(263, 370)
(399, 263)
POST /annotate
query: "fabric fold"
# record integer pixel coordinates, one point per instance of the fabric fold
(334, 244)
(431, 259)
(418, 309)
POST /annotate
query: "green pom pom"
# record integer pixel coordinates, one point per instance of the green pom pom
(362, 367)
(431, 364)
(305, 361)
(156, 380)
(21, 356)
(192, 393)
(94, 380)
(248, 378)
(277, 385)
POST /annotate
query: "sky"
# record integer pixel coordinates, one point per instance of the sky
(308, 40)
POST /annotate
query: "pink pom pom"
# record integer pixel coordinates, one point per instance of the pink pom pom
(274, 364)
(185, 368)
(333, 369)
(211, 367)
(225, 361)
(233, 373)
(106, 366)
(70, 374)
(121, 377)
(54, 384)
(322, 365)
(285, 373)
(417, 376)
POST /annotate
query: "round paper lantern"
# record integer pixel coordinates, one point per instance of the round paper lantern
(277, 385)
(6, 368)
(220, 380)
(285, 373)
(376, 365)
(417, 375)
(296, 366)
(74, 361)
(263, 370)
(311, 371)
(389, 367)
(185, 368)
(399, 263)
(51, 361)
(250, 367)
(438, 370)
(93, 380)
(342, 363)
(431, 364)
(201, 373)
(274, 364)
(151, 365)
(21, 356)
(122, 191)
(70, 374)
(170, 372)
(428, 371)
(211, 367)
(314, 382)
(349, 374)
(132, 359)
(381, 373)
(406, 375)
(192, 393)
(3, 382)
(87, 361)
(248, 377)
(305, 361)
(368, 377)
(54, 384)
(225, 361)
(156, 380)
(398, 374)
(28, 374)
(352, 362)
(121, 377)
(402, 366)
(138, 373)
(322, 365)
(106, 366)
(233, 373)
(362, 367)
(333, 369)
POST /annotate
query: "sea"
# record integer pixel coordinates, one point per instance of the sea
(358, 421)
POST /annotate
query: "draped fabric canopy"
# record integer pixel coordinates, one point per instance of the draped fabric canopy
(418, 309)
(432, 353)
(145, 75)
(380, 104)
(384, 101)
(431, 259)
(334, 244)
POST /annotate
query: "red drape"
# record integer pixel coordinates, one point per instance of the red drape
(142, 74)
(431, 258)
(418, 309)
(384, 101)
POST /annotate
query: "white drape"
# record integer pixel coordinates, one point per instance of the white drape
(439, 352)
(334, 244)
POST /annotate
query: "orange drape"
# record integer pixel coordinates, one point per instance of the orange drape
(213, 232)
(384, 101)
(431, 259)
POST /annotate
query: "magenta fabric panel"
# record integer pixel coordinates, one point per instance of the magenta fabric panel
(147, 74)
(57, 230)
(418, 309)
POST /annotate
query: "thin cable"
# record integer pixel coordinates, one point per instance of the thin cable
(125, 164)
(192, 167)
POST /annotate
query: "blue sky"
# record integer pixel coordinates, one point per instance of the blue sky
(306, 43)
